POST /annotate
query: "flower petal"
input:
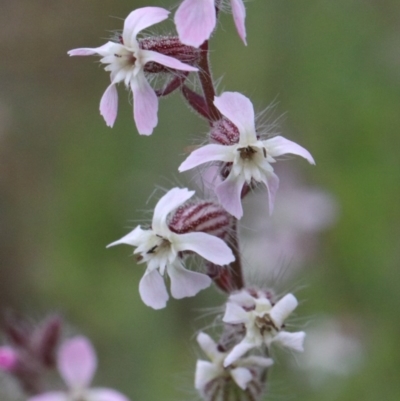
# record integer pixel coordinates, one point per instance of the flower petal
(208, 246)
(239, 110)
(77, 362)
(279, 145)
(185, 283)
(242, 298)
(205, 372)
(50, 396)
(133, 238)
(254, 360)
(241, 376)
(141, 19)
(105, 394)
(109, 105)
(103, 50)
(238, 351)
(195, 20)
(234, 314)
(152, 290)
(293, 341)
(208, 345)
(171, 62)
(145, 104)
(283, 308)
(167, 203)
(229, 194)
(207, 153)
(239, 15)
(272, 184)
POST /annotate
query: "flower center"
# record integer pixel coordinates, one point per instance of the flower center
(265, 324)
(129, 59)
(162, 245)
(248, 152)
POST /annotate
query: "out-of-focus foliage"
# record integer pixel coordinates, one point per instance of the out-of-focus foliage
(69, 185)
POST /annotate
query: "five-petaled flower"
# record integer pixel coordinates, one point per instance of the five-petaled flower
(241, 372)
(263, 322)
(251, 157)
(195, 20)
(126, 63)
(77, 363)
(161, 249)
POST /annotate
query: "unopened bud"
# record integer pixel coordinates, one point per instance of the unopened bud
(201, 216)
(224, 132)
(170, 46)
(47, 340)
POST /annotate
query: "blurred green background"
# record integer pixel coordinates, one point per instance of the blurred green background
(69, 185)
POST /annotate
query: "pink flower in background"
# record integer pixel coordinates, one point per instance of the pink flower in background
(251, 157)
(126, 62)
(77, 364)
(159, 247)
(263, 322)
(288, 241)
(8, 358)
(195, 20)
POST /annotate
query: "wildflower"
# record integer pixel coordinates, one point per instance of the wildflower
(263, 322)
(161, 248)
(242, 373)
(195, 20)
(251, 157)
(126, 62)
(77, 363)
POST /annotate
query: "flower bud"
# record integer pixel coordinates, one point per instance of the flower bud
(201, 216)
(170, 46)
(224, 132)
(47, 340)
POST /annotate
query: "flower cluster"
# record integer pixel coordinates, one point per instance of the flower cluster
(237, 157)
(254, 323)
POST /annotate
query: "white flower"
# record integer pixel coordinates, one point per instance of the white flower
(77, 363)
(208, 371)
(263, 323)
(159, 247)
(251, 157)
(126, 62)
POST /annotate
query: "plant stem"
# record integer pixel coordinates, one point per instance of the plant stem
(207, 83)
(236, 265)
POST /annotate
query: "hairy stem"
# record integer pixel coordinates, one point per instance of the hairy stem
(236, 266)
(207, 83)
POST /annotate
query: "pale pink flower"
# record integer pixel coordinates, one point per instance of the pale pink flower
(195, 20)
(77, 364)
(251, 157)
(263, 322)
(126, 62)
(160, 247)
(8, 358)
(207, 371)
